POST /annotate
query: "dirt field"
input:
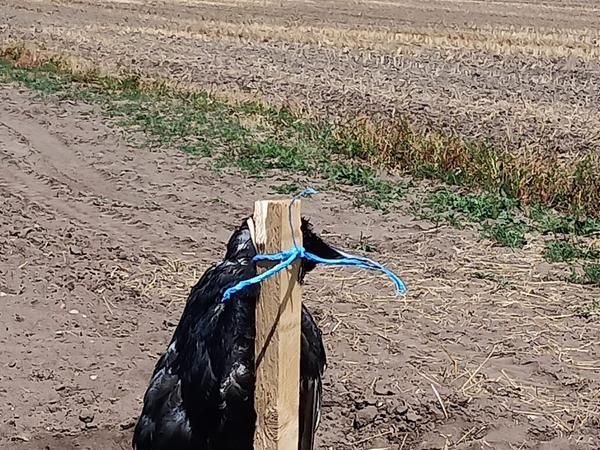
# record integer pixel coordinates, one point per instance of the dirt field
(521, 72)
(100, 242)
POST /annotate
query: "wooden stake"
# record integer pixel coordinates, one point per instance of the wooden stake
(278, 319)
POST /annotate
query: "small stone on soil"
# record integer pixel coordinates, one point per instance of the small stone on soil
(86, 416)
(365, 416)
(412, 416)
(126, 425)
(76, 250)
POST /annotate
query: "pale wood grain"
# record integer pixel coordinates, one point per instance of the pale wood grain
(278, 319)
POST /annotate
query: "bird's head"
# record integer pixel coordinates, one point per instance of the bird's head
(241, 245)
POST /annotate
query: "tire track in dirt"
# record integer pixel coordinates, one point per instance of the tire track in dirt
(53, 174)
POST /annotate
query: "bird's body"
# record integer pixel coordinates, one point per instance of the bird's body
(201, 393)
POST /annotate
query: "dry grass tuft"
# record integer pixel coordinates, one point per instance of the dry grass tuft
(532, 177)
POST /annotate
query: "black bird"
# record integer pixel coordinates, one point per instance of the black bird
(201, 393)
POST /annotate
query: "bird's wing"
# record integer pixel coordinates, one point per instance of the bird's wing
(163, 421)
(196, 376)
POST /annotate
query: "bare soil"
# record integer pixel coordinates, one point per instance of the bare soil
(524, 73)
(101, 242)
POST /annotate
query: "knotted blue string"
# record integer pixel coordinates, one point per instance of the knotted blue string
(286, 258)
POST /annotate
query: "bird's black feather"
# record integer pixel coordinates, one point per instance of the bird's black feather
(201, 393)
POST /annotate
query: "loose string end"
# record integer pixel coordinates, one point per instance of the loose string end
(308, 192)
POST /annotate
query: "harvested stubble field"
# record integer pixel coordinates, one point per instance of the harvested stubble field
(105, 225)
(523, 72)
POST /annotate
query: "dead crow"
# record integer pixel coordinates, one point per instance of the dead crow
(201, 393)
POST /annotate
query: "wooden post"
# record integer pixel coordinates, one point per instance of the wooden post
(278, 320)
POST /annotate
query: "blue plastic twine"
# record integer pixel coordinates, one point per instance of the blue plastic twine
(287, 258)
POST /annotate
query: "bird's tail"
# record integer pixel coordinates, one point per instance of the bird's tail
(310, 412)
